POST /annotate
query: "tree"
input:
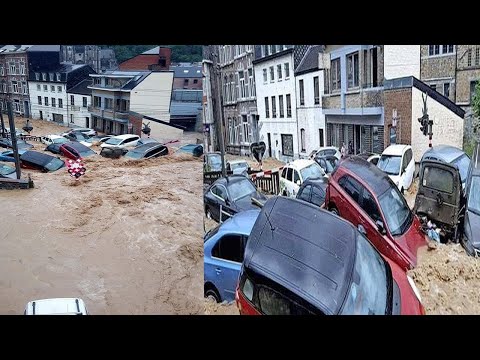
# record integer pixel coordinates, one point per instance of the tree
(476, 110)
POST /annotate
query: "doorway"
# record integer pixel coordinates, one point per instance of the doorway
(269, 140)
(41, 115)
(357, 139)
(87, 122)
(26, 109)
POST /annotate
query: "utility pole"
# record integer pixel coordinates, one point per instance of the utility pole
(13, 137)
(216, 71)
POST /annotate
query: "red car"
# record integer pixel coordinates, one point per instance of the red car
(75, 150)
(361, 193)
(302, 260)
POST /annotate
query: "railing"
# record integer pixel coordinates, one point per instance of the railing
(118, 114)
(269, 184)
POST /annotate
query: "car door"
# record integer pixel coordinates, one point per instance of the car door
(225, 263)
(305, 193)
(318, 196)
(283, 181)
(350, 199)
(296, 182)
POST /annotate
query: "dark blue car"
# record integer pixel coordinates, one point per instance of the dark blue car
(223, 255)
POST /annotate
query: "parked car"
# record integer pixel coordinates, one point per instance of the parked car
(143, 141)
(370, 157)
(55, 148)
(79, 137)
(8, 155)
(318, 264)
(212, 162)
(238, 167)
(86, 131)
(361, 193)
(7, 171)
(147, 151)
(21, 144)
(295, 173)
(398, 162)
(327, 162)
(60, 306)
(113, 153)
(121, 141)
(471, 234)
(326, 150)
(100, 139)
(53, 139)
(75, 150)
(313, 191)
(223, 249)
(450, 155)
(234, 193)
(194, 149)
(35, 160)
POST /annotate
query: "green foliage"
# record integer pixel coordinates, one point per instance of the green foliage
(180, 53)
(476, 101)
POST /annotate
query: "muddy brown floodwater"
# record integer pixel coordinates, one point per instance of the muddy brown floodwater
(126, 237)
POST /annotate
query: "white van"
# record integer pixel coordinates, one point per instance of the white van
(397, 161)
(295, 173)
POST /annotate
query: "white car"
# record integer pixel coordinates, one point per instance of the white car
(86, 131)
(238, 167)
(77, 136)
(295, 173)
(397, 161)
(121, 141)
(59, 306)
(326, 150)
(53, 139)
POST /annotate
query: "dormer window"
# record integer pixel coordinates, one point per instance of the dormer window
(44, 76)
(58, 76)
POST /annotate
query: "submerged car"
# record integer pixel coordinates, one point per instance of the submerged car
(60, 306)
(7, 171)
(361, 193)
(302, 260)
(78, 137)
(143, 141)
(212, 162)
(147, 151)
(313, 191)
(40, 161)
(471, 234)
(53, 139)
(121, 141)
(21, 144)
(75, 150)
(231, 195)
(194, 149)
(238, 167)
(8, 155)
(223, 249)
(113, 153)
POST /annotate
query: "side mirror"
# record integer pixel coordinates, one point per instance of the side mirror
(380, 227)
(297, 182)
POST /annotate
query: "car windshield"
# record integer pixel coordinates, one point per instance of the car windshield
(54, 164)
(6, 170)
(113, 141)
(474, 195)
(463, 163)
(240, 189)
(241, 165)
(215, 160)
(312, 171)
(60, 140)
(369, 291)
(134, 154)
(390, 164)
(396, 211)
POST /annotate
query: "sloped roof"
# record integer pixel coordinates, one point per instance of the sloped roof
(52, 48)
(14, 48)
(82, 88)
(180, 108)
(187, 71)
(152, 51)
(310, 60)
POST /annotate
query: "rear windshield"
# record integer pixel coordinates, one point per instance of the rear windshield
(438, 179)
(54, 164)
(390, 164)
(463, 163)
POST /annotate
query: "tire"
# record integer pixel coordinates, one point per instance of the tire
(212, 294)
(334, 210)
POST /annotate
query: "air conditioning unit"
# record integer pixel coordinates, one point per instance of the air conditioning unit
(324, 60)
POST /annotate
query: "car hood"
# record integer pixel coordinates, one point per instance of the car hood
(472, 228)
(411, 240)
(245, 203)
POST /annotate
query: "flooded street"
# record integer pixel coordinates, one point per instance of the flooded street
(126, 237)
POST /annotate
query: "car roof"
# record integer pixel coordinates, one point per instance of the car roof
(37, 157)
(300, 164)
(125, 136)
(230, 179)
(240, 223)
(146, 147)
(445, 153)
(327, 148)
(305, 249)
(322, 182)
(376, 179)
(77, 146)
(53, 136)
(396, 149)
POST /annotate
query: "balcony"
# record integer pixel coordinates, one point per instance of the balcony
(109, 113)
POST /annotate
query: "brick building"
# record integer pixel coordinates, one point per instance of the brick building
(158, 58)
(187, 76)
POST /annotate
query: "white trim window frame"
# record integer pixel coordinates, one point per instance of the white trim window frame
(441, 50)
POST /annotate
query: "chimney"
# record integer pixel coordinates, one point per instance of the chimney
(165, 57)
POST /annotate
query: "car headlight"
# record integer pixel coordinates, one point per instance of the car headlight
(414, 288)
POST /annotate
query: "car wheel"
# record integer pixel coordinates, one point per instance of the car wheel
(212, 294)
(334, 210)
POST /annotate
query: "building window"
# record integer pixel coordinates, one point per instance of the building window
(251, 81)
(45, 88)
(52, 88)
(195, 81)
(97, 101)
(39, 100)
(440, 49)
(280, 105)
(2, 71)
(302, 92)
(37, 76)
(241, 77)
(17, 106)
(446, 89)
(316, 90)
(287, 145)
(13, 68)
(279, 71)
(39, 88)
(84, 102)
(58, 76)
(289, 106)
(265, 76)
(477, 55)
(267, 111)
(352, 70)
(321, 138)
(24, 87)
(433, 86)
(14, 87)
(53, 102)
(335, 73)
(185, 82)
(265, 50)
(272, 74)
(274, 107)
(272, 49)
(60, 103)
(50, 76)
(108, 103)
(72, 100)
(59, 88)
(5, 87)
(44, 76)
(97, 81)
(469, 57)
(46, 101)
(287, 70)
(302, 139)
(22, 68)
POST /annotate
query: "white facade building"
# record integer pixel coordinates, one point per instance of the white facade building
(401, 61)
(79, 99)
(276, 99)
